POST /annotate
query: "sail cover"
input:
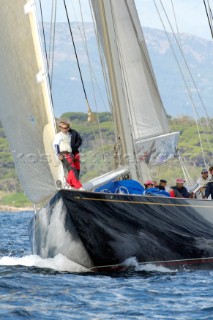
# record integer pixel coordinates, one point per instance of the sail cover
(146, 113)
(25, 108)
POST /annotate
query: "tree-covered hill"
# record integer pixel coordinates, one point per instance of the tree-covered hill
(196, 143)
(196, 140)
(8, 177)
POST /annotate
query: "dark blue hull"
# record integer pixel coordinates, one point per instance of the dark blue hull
(112, 228)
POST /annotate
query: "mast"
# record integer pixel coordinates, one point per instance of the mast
(137, 107)
(104, 17)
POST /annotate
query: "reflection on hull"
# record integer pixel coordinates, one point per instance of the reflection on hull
(106, 229)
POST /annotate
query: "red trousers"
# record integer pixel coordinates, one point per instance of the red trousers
(76, 161)
(72, 180)
(72, 163)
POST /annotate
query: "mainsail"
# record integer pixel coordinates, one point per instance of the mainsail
(25, 107)
(143, 106)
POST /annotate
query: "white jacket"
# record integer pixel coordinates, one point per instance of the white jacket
(63, 140)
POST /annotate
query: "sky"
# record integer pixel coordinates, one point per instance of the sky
(190, 14)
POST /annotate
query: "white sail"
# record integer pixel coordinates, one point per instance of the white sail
(25, 107)
(146, 113)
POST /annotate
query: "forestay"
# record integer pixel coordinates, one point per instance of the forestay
(25, 107)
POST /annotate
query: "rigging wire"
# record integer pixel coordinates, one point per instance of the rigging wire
(92, 74)
(176, 24)
(90, 115)
(52, 40)
(196, 120)
(145, 57)
(117, 154)
(45, 50)
(181, 51)
(209, 15)
(102, 60)
(186, 174)
(195, 114)
(142, 167)
(117, 157)
(138, 169)
(93, 78)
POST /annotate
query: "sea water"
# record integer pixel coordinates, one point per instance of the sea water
(57, 288)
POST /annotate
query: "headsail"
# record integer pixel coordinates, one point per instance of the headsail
(25, 107)
(147, 117)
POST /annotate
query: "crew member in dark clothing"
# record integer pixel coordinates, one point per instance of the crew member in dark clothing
(66, 144)
(209, 186)
(179, 190)
(68, 140)
(162, 185)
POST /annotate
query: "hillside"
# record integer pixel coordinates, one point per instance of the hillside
(92, 151)
(198, 54)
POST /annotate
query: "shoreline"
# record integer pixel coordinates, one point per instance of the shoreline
(5, 208)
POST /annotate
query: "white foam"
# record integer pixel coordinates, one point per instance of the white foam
(52, 238)
(59, 263)
(149, 267)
